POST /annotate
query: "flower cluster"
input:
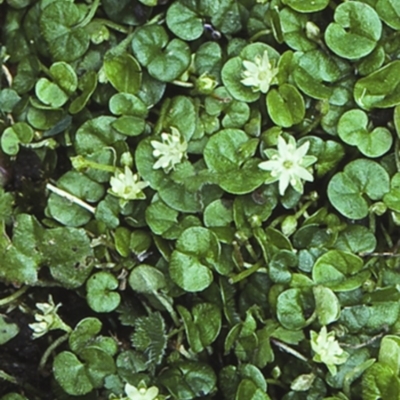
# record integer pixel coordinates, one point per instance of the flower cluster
(327, 350)
(139, 393)
(127, 186)
(259, 74)
(288, 164)
(48, 319)
(170, 151)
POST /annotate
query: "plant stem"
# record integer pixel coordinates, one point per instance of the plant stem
(70, 197)
(50, 349)
(183, 84)
(14, 296)
(259, 34)
(288, 349)
(246, 273)
(112, 25)
(90, 14)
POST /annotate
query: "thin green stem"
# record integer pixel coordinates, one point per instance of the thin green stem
(81, 163)
(90, 14)
(70, 197)
(246, 273)
(183, 84)
(259, 34)
(50, 349)
(9, 299)
(7, 377)
(112, 25)
(288, 349)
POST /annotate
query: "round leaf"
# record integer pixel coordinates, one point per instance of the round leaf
(123, 72)
(164, 61)
(70, 374)
(84, 334)
(146, 279)
(184, 22)
(290, 309)
(355, 32)
(346, 189)
(59, 22)
(327, 305)
(381, 89)
(307, 6)
(50, 94)
(100, 295)
(285, 106)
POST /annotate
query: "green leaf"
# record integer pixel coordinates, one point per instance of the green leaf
(247, 390)
(64, 76)
(100, 295)
(293, 26)
(380, 382)
(146, 279)
(197, 251)
(98, 364)
(84, 334)
(389, 352)
(14, 135)
(164, 60)
(290, 309)
(95, 134)
(355, 32)
(50, 94)
(8, 330)
(66, 251)
(353, 130)
(327, 305)
(222, 155)
(202, 326)
(347, 189)
(123, 72)
(184, 22)
(70, 374)
(189, 379)
(334, 268)
(380, 89)
(59, 23)
(150, 337)
(389, 12)
(285, 106)
(307, 7)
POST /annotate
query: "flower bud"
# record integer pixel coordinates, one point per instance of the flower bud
(205, 84)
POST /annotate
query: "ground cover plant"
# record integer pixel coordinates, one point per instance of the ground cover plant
(200, 199)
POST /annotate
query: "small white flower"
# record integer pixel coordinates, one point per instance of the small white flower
(259, 74)
(141, 393)
(126, 186)
(327, 350)
(171, 151)
(48, 319)
(288, 165)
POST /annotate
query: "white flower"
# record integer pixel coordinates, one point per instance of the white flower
(259, 74)
(141, 393)
(288, 165)
(170, 152)
(327, 349)
(48, 319)
(127, 186)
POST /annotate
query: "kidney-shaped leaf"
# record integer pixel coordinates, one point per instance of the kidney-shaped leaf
(355, 32)
(381, 89)
(164, 61)
(346, 189)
